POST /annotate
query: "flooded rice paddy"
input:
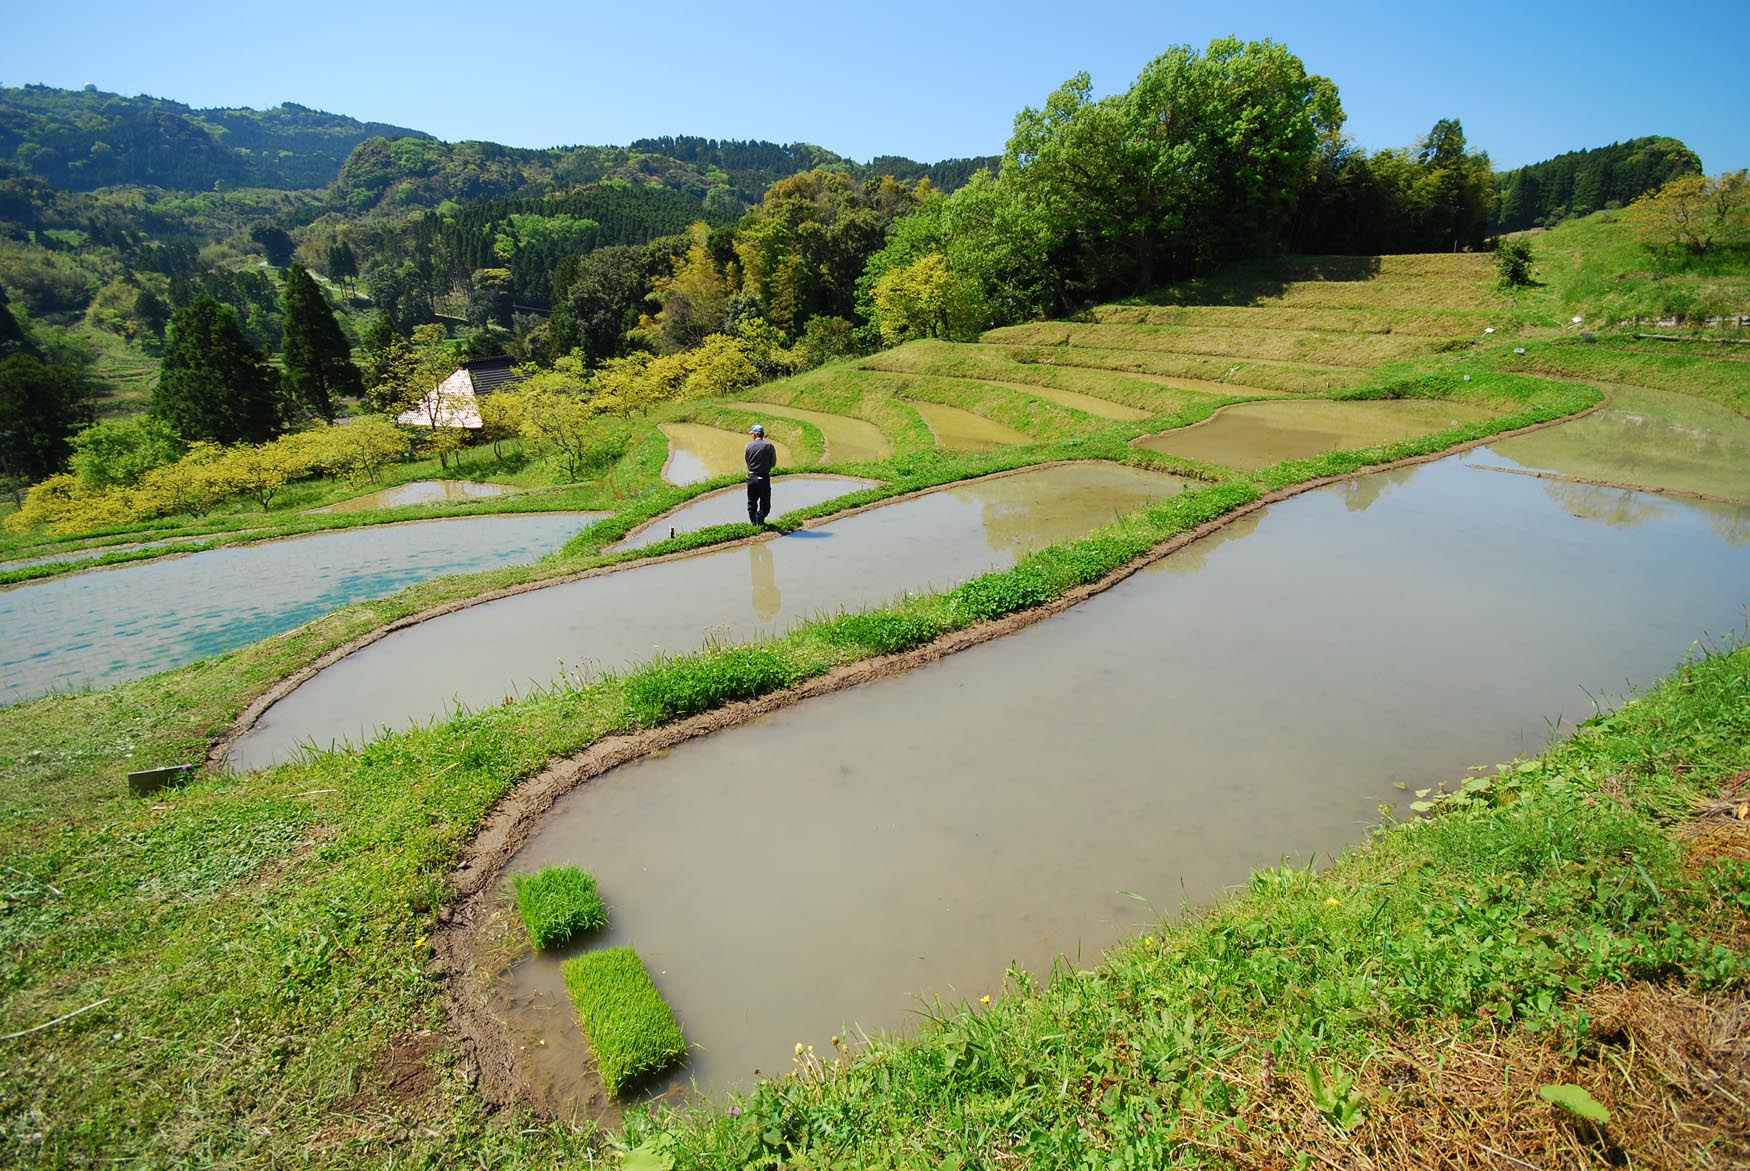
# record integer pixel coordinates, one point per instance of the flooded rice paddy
(729, 505)
(482, 654)
(109, 625)
(1250, 436)
(421, 492)
(848, 440)
(964, 430)
(1645, 439)
(1251, 699)
(697, 453)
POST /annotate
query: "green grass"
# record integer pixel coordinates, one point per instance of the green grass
(1597, 268)
(558, 903)
(628, 1023)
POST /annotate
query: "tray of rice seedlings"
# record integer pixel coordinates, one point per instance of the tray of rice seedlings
(558, 903)
(628, 1023)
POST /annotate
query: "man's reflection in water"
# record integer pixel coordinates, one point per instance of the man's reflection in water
(767, 601)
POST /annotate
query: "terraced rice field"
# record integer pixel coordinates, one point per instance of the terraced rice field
(1124, 371)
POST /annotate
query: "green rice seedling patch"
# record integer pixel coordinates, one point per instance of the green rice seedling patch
(558, 903)
(628, 1023)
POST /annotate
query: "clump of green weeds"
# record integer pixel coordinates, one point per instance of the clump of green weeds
(672, 688)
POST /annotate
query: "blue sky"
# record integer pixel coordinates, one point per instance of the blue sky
(927, 80)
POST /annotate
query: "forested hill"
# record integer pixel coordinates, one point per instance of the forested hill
(1584, 181)
(80, 140)
(724, 177)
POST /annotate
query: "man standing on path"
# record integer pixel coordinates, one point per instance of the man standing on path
(761, 458)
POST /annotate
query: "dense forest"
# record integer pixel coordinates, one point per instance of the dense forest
(129, 227)
(1581, 182)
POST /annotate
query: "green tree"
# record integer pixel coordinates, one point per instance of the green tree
(317, 358)
(691, 298)
(275, 244)
(116, 453)
(926, 298)
(1695, 214)
(41, 406)
(342, 263)
(214, 385)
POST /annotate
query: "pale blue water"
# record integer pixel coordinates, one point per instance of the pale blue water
(105, 626)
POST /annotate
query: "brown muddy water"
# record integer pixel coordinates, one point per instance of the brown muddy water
(697, 453)
(1644, 439)
(108, 625)
(1252, 699)
(964, 430)
(1249, 436)
(486, 653)
(421, 492)
(730, 505)
(848, 440)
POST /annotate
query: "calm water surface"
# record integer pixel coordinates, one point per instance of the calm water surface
(421, 492)
(848, 440)
(485, 653)
(1249, 700)
(105, 626)
(1644, 439)
(1250, 436)
(697, 453)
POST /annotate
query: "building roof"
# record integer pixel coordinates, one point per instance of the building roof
(489, 374)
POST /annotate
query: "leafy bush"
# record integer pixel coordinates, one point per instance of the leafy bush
(558, 904)
(628, 1023)
(1513, 263)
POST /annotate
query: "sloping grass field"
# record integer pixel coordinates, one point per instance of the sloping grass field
(238, 973)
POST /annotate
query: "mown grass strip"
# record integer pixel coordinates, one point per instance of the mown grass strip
(628, 1023)
(558, 903)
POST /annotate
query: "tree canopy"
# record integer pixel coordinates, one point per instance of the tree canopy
(214, 385)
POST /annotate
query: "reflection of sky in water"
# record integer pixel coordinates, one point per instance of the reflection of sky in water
(108, 625)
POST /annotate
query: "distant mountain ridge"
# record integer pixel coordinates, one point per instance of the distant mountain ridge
(80, 140)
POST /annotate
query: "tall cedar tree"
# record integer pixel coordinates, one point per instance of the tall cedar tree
(214, 384)
(318, 358)
(41, 405)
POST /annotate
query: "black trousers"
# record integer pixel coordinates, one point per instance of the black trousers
(759, 499)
